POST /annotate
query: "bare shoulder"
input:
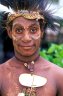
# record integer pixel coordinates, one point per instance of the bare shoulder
(1, 74)
(57, 70)
(53, 67)
(57, 73)
(3, 68)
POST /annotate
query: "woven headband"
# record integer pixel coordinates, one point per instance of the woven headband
(26, 14)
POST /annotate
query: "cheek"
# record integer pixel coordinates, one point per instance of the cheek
(38, 39)
(37, 42)
(15, 40)
(15, 44)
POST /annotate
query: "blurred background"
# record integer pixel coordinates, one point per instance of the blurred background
(52, 44)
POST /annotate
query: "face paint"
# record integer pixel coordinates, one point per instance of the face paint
(14, 38)
(26, 36)
(30, 29)
(17, 38)
(35, 37)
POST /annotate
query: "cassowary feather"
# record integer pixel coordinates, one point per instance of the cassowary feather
(33, 5)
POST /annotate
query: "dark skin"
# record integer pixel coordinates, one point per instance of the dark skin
(26, 36)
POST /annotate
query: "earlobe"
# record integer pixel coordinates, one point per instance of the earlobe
(9, 32)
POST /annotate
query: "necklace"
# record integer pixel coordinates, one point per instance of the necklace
(34, 81)
(30, 81)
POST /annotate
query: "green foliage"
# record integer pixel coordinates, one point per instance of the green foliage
(54, 54)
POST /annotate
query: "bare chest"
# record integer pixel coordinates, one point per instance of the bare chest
(12, 87)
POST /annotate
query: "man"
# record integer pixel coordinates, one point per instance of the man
(28, 74)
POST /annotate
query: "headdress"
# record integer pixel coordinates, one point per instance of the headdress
(30, 9)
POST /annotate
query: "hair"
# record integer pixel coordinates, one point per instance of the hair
(33, 5)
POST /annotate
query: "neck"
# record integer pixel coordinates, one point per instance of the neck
(27, 59)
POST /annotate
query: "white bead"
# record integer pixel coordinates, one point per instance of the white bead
(21, 94)
(32, 62)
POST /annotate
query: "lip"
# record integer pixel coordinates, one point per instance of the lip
(26, 44)
(26, 47)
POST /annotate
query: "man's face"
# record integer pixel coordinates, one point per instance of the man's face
(26, 36)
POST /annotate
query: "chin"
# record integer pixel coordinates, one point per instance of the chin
(27, 54)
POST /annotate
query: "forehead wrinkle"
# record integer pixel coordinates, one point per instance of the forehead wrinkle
(20, 25)
(24, 22)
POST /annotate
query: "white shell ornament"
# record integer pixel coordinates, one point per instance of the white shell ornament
(32, 80)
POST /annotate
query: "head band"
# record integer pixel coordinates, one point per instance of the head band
(26, 14)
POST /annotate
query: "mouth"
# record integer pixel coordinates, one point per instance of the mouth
(27, 47)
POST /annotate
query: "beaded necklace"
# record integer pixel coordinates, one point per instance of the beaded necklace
(30, 81)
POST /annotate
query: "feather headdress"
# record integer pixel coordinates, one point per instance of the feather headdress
(30, 9)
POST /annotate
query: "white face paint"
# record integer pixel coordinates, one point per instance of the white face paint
(26, 36)
(17, 38)
(23, 28)
(36, 37)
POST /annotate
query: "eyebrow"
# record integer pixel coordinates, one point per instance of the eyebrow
(35, 24)
(17, 24)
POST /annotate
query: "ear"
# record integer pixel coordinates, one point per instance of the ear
(9, 31)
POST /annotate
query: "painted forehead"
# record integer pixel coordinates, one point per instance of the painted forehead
(24, 22)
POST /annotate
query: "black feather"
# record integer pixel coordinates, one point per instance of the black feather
(29, 5)
(17, 4)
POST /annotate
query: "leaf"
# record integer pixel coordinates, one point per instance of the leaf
(54, 54)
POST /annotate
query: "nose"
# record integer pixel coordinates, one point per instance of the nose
(26, 37)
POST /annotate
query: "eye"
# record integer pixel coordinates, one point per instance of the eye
(19, 30)
(33, 30)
